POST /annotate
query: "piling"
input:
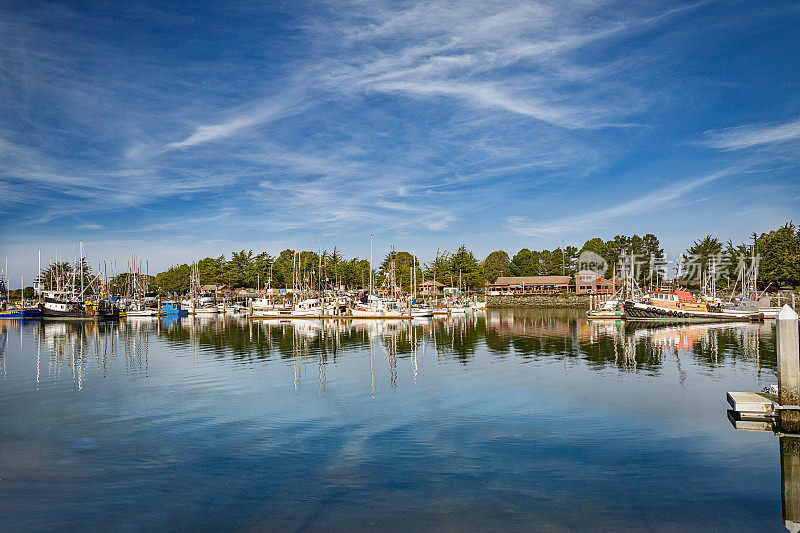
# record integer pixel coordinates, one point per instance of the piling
(790, 482)
(788, 344)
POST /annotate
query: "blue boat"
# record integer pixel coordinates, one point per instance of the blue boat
(6, 311)
(173, 309)
(20, 313)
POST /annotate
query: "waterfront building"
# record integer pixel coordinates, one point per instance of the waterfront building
(430, 288)
(589, 282)
(529, 285)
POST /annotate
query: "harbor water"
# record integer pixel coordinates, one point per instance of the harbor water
(502, 420)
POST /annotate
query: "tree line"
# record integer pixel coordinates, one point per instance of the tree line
(777, 252)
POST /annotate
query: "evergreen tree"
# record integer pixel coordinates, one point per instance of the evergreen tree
(495, 265)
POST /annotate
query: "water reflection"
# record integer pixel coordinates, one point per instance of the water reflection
(74, 348)
(500, 420)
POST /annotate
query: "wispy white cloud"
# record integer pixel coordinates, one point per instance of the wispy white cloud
(749, 136)
(266, 112)
(655, 201)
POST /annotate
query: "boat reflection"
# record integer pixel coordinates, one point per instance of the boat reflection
(72, 348)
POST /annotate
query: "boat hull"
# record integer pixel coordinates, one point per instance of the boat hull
(77, 314)
(20, 314)
(144, 312)
(642, 311)
(605, 315)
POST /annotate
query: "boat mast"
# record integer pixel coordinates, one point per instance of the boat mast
(414, 277)
(81, 267)
(370, 263)
(435, 291)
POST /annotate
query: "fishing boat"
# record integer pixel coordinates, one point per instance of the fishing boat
(263, 304)
(139, 308)
(141, 312)
(20, 313)
(206, 310)
(678, 304)
(749, 300)
(310, 307)
(65, 306)
(13, 312)
(272, 313)
(421, 312)
(610, 310)
(173, 309)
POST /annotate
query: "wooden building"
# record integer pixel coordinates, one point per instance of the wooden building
(588, 282)
(529, 285)
(427, 288)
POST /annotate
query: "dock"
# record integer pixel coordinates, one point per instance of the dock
(779, 411)
(754, 405)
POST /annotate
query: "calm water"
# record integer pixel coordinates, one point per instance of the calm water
(512, 420)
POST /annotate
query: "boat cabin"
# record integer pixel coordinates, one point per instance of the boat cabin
(173, 308)
(677, 299)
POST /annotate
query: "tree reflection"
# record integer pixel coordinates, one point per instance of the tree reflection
(524, 334)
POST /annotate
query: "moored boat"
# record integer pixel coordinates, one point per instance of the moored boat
(20, 313)
(610, 310)
(677, 304)
(66, 309)
(173, 309)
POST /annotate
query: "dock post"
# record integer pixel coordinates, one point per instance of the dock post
(788, 368)
(790, 482)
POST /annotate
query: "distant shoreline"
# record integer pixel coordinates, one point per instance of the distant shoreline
(541, 301)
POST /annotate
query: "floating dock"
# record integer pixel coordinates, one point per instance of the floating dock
(754, 405)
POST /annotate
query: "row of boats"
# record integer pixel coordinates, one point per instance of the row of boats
(68, 305)
(743, 302)
(364, 305)
(679, 304)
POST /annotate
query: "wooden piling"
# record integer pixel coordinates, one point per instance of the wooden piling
(786, 329)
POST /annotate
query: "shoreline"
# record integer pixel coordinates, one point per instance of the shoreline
(540, 301)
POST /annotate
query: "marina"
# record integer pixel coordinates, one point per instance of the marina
(336, 424)
(418, 265)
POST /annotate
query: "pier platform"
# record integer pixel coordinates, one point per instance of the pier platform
(754, 405)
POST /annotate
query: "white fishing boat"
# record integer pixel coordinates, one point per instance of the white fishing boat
(421, 312)
(141, 311)
(262, 304)
(375, 307)
(311, 307)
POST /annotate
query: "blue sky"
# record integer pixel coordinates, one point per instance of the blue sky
(196, 129)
